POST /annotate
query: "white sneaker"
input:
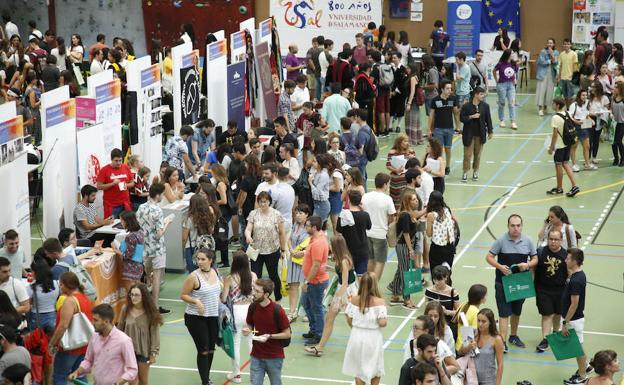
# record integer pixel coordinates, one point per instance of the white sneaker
(591, 167)
(502, 124)
(235, 378)
(575, 168)
(514, 126)
(541, 113)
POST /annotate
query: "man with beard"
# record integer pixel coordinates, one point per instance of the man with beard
(269, 324)
(86, 219)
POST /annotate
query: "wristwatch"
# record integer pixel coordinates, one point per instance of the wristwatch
(565, 322)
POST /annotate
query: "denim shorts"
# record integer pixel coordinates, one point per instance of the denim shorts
(444, 135)
(582, 133)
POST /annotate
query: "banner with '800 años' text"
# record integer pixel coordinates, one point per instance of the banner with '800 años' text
(298, 21)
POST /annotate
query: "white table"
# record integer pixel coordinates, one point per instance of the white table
(110, 229)
(173, 236)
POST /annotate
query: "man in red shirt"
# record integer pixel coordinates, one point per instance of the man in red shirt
(315, 279)
(115, 179)
(269, 324)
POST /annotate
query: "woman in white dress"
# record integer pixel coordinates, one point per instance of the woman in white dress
(366, 315)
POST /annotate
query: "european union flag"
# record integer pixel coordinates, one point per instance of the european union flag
(497, 14)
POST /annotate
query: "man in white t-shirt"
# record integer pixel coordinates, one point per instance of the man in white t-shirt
(282, 194)
(300, 96)
(380, 207)
(561, 152)
(14, 288)
(12, 252)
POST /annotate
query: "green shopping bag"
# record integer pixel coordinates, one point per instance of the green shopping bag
(78, 382)
(558, 92)
(329, 292)
(611, 130)
(227, 339)
(565, 347)
(518, 286)
(412, 280)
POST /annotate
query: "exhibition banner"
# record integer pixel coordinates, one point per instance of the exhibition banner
(263, 65)
(11, 139)
(150, 75)
(237, 46)
(108, 112)
(236, 93)
(85, 111)
(92, 155)
(587, 16)
(216, 67)
(298, 21)
(464, 26)
(58, 124)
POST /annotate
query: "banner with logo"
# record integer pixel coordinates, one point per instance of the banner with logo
(11, 139)
(58, 125)
(298, 21)
(464, 26)
(108, 112)
(236, 93)
(92, 155)
(263, 64)
(216, 78)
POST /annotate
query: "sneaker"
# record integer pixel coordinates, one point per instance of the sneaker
(305, 319)
(506, 349)
(447, 170)
(590, 167)
(398, 129)
(222, 265)
(575, 379)
(554, 191)
(515, 340)
(502, 124)
(465, 177)
(543, 345)
(162, 310)
(575, 168)
(588, 370)
(514, 126)
(307, 335)
(235, 378)
(541, 113)
(573, 191)
(475, 176)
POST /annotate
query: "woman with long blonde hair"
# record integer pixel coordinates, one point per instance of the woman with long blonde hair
(366, 315)
(347, 288)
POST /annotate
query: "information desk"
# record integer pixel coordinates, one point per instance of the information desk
(173, 235)
(105, 271)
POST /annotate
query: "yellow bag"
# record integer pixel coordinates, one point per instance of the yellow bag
(301, 247)
(284, 278)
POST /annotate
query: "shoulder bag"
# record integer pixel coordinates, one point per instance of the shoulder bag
(79, 332)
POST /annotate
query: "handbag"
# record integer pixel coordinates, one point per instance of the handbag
(565, 347)
(284, 277)
(227, 338)
(252, 253)
(518, 286)
(79, 332)
(412, 280)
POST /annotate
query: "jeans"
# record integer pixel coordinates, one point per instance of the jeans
(188, 259)
(320, 84)
(312, 301)
(240, 316)
(618, 146)
(321, 209)
(205, 332)
(271, 261)
(48, 320)
(64, 365)
(242, 224)
(117, 210)
(594, 142)
(270, 366)
(362, 168)
(506, 92)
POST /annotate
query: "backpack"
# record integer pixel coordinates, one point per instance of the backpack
(83, 277)
(221, 231)
(386, 76)
(568, 135)
(475, 80)
(352, 155)
(276, 318)
(371, 149)
(302, 188)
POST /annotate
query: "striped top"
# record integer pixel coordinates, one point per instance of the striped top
(208, 294)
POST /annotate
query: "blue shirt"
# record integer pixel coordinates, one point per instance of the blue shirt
(203, 144)
(363, 137)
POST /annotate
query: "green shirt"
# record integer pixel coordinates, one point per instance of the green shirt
(463, 85)
(335, 107)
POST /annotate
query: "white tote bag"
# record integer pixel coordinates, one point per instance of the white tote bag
(79, 332)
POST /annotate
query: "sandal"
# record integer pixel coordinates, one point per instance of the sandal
(313, 350)
(292, 318)
(395, 301)
(409, 305)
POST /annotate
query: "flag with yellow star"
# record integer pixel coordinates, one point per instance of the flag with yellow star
(497, 14)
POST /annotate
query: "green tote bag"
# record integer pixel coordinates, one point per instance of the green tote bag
(227, 339)
(565, 347)
(518, 286)
(412, 280)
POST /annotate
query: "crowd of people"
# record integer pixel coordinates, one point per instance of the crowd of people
(298, 202)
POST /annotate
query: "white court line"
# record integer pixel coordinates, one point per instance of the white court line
(599, 221)
(478, 185)
(170, 299)
(485, 225)
(317, 379)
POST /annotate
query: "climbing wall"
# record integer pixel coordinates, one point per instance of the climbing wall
(163, 18)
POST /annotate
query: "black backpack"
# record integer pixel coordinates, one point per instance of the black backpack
(568, 135)
(371, 148)
(221, 231)
(276, 318)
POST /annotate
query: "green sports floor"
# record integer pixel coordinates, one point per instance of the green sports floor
(515, 173)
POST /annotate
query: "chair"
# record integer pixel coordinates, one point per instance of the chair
(523, 69)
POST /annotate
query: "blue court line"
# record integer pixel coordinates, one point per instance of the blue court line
(504, 167)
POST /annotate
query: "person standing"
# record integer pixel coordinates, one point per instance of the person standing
(561, 151)
(568, 64)
(267, 322)
(462, 79)
(443, 110)
(238, 288)
(365, 92)
(550, 279)
(353, 225)
(115, 179)
(201, 290)
(502, 40)
(412, 109)
(300, 96)
(579, 112)
(335, 107)
(505, 73)
(202, 141)
(617, 110)
(320, 50)
(478, 70)
(177, 154)
(513, 248)
(366, 315)
(490, 346)
(438, 43)
(141, 321)
(572, 308)
(477, 130)
(154, 224)
(284, 105)
(382, 212)
(132, 250)
(67, 361)
(399, 93)
(441, 230)
(292, 64)
(432, 80)
(403, 151)
(12, 252)
(315, 279)
(110, 352)
(319, 183)
(547, 63)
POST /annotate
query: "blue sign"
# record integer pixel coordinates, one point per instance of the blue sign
(464, 26)
(236, 92)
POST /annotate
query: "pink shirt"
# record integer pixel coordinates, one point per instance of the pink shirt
(112, 357)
